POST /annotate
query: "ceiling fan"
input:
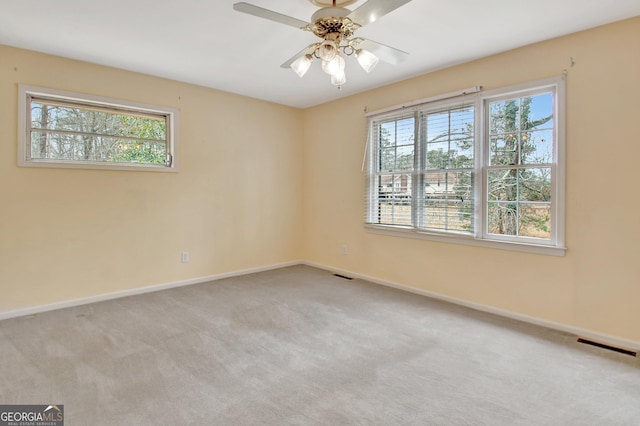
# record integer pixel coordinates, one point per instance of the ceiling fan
(335, 25)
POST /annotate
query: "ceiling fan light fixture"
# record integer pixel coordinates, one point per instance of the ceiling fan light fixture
(366, 59)
(334, 66)
(338, 79)
(335, 25)
(301, 65)
(327, 50)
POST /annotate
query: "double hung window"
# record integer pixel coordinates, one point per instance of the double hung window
(483, 168)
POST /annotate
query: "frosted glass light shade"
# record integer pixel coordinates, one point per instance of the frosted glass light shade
(335, 66)
(327, 50)
(367, 60)
(301, 65)
(338, 79)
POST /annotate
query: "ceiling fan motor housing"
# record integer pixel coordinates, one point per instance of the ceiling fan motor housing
(331, 23)
(325, 3)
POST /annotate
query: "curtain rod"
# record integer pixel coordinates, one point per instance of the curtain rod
(470, 90)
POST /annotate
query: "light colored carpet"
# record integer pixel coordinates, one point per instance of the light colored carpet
(298, 346)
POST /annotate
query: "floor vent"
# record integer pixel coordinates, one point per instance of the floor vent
(611, 348)
(342, 276)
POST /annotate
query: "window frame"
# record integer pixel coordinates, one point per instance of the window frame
(480, 236)
(26, 93)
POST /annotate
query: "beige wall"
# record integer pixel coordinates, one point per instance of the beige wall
(596, 286)
(67, 234)
(281, 189)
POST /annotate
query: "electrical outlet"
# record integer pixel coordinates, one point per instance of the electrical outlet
(185, 257)
(344, 250)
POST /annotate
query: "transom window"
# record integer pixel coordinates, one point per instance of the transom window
(63, 129)
(480, 169)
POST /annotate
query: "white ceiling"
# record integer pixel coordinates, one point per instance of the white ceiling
(206, 42)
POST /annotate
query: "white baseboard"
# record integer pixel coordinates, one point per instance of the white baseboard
(140, 290)
(576, 331)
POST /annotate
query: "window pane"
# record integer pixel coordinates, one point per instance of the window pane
(504, 149)
(535, 221)
(537, 112)
(449, 137)
(448, 201)
(74, 147)
(461, 151)
(503, 185)
(534, 184)
(537, 147)
(396, 144)
(519, 202)
(398, 158)
(503, 218)
(504, 116)
(397, 132)
(39, 145)
(81, 120)
(404, 157)
(437, 156)
(521, 130)
(395, 212)
(394, 199)
(387, 160)
(448, 215)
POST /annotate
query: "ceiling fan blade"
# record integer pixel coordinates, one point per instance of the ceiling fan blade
(388, 54)
(269, 14)
(307, 50)
(374, 9)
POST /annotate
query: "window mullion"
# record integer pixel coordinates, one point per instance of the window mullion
(481, 142)
(417, 190)
(94, 135)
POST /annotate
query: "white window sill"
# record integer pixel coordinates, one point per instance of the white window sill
(62, 164)
(466, 240)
